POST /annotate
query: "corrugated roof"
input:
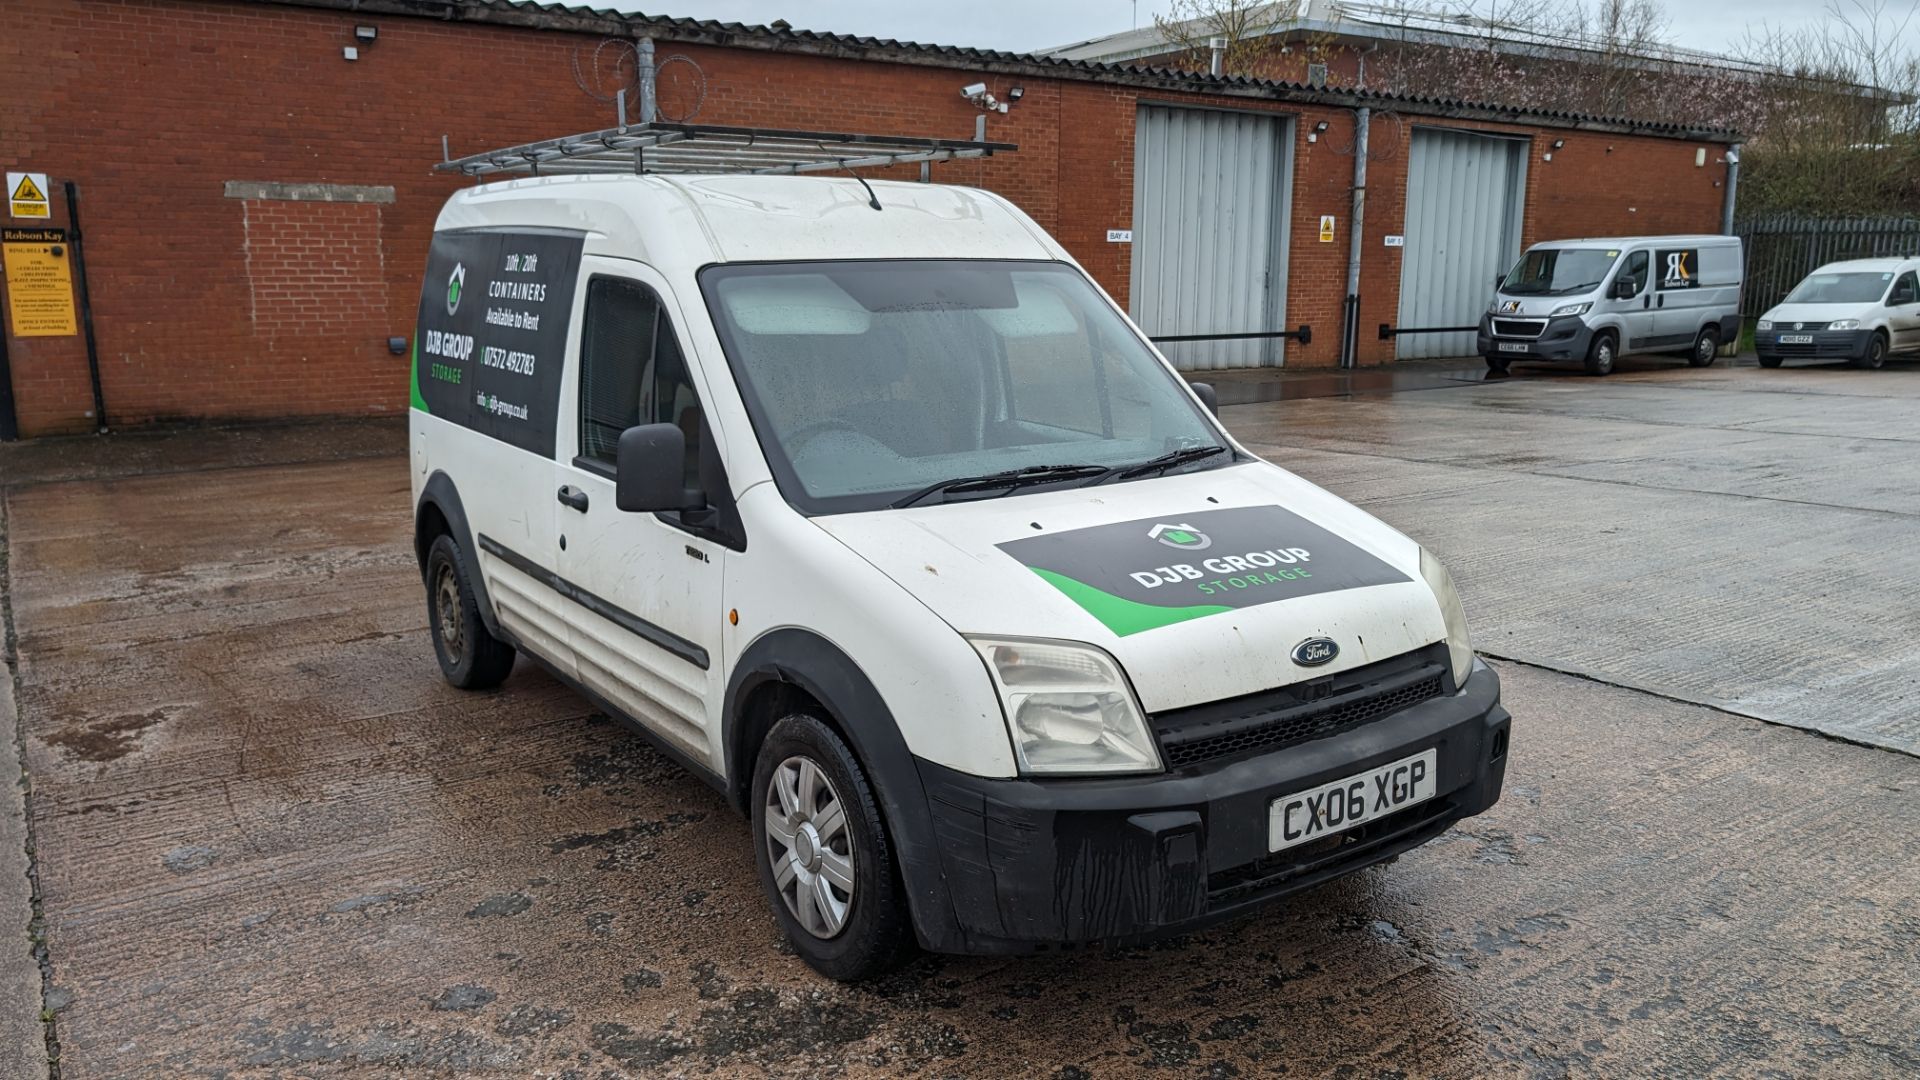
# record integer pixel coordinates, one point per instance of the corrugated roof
(778, 37)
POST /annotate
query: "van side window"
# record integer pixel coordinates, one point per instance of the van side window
(1907, 286)
(632, 371)
(1635, 271)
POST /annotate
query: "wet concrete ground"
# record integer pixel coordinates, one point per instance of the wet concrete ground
(271, 842)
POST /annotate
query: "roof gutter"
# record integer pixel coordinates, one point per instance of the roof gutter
(737, 36)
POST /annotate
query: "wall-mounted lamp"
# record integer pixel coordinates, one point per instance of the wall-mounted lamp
(397, 346)
(1318, 129)
(1016, 93)
(1558, 143)
(365, 33)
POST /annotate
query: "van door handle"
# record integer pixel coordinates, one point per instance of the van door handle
(574, 497)
(1662, 302)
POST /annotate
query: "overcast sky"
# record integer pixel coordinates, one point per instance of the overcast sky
(1030, 25)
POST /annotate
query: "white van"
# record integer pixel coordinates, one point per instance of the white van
(1861, 311)
(1593, 301)
(888, 524)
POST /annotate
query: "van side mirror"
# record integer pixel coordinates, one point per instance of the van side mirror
(1625, 288)
(1204, 391)
(650, 471)
(1902, 294)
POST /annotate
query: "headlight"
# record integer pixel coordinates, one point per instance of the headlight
(1844, 324)
(1459, 649)
(1068, 708)
(1763, 324)
(1570, 309)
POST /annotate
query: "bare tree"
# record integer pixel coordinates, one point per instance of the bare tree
(1246, 31)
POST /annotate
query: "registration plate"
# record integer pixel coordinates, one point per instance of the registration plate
(1796, 339)
(1513, 346)
(1331, 808)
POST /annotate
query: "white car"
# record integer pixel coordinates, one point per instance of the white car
(892, 527)
(1860, 311)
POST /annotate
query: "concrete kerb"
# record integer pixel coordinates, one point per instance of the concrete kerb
(28, 1047)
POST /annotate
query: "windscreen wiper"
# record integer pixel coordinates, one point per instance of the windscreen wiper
(1010, 479)
(1160, 464)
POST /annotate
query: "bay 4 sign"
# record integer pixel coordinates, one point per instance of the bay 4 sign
(1123, 575)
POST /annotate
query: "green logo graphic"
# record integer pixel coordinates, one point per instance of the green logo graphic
(456, 282)
(1184, 537)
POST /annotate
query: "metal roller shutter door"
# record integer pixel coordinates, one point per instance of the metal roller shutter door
(1211, 191)
(1465, 193)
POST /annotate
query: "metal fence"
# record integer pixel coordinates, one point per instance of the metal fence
(1783, 248)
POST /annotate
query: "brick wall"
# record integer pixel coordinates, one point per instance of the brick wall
(211, 306)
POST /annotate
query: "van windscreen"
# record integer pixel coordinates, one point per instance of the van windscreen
(870, 381)
(1559, 271)
(1849, 288)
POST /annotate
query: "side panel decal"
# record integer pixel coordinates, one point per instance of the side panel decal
(1139, 575)
(492, 335)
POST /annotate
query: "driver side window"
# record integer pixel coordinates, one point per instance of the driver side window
(1634, 271)
(632, 372)
(1905, 291)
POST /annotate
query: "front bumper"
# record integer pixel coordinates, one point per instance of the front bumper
(1564, 338)
(1030, 864)
(1826, 344)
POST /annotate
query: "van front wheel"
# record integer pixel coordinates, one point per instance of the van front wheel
(1876, 355)
(470, 657)
(823, 856)
(1600, 354)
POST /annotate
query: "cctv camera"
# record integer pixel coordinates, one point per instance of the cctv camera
(972, 90)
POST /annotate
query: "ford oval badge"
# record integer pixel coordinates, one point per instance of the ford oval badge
(1315, 651)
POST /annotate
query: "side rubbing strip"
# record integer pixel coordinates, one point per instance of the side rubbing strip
(626, 620)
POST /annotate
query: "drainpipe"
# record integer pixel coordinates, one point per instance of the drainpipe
(1350, 323)
(1731, 195)
(648, 101)
(1219, 47)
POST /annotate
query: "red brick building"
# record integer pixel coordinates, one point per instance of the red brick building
(256, 206)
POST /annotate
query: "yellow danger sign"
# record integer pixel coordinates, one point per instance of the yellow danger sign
(1326, 228)
(27, 195)
(39, 289)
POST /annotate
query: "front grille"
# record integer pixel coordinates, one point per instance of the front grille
(1314, 709)
(1797, 327)
(1328, 857)
(1522, 328)
(1829, 345)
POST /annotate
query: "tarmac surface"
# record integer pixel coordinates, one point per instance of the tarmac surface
(270, 841)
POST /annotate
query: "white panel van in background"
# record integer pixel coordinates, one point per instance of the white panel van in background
(1593, 301)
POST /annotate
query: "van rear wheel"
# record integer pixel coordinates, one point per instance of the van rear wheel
(1600, 354)
(470, 657)
(822, 853)
(1705, 348)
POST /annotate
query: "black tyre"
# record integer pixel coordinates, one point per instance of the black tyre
(1600, 354)
(823, 855)
(1499, 366)
(1876, 357)
(1705, 348)
(470, 657)
(1770, 361)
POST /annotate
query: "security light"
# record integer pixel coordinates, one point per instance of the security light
(366, 33)
(1016, 93)
(1321, 126)
(1558, 143)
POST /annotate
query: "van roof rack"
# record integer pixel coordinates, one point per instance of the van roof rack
(640, 149)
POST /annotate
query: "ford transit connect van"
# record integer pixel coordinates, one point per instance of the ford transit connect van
(869, 508)
(1861, 311)
(1592, 301)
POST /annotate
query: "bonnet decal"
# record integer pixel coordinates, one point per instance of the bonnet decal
(1152, 572)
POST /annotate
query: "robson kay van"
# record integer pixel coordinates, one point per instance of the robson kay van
(1593, 301)
(891, 526)
(1861, 311)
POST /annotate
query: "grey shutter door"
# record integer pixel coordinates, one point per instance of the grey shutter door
(1465, 194)
(1210, 194)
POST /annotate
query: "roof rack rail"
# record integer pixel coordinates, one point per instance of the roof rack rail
(638, 149)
